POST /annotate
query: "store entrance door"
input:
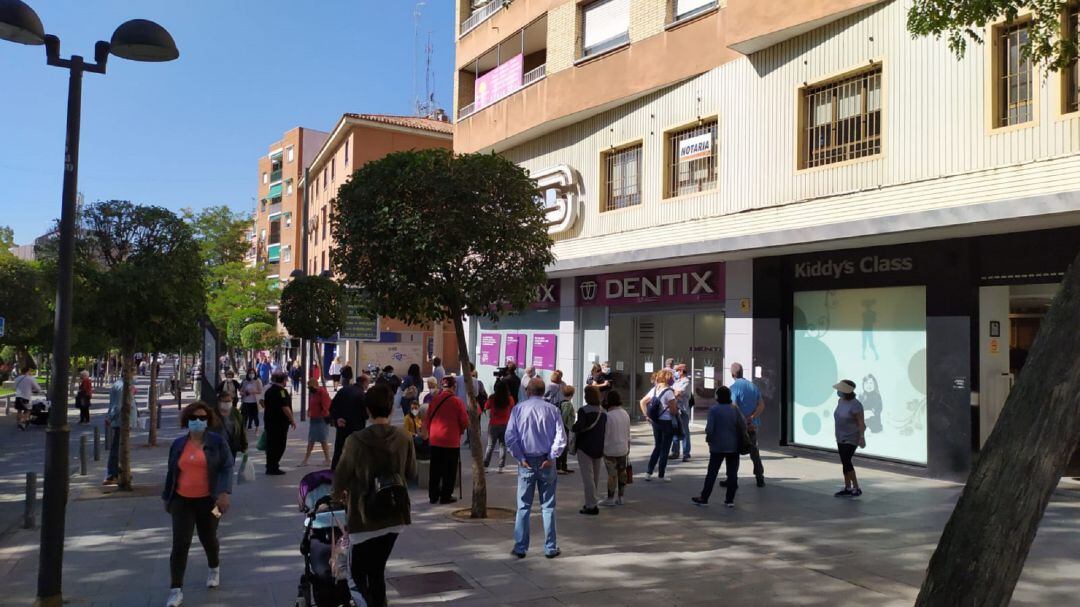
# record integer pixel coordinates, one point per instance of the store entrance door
(640, 344)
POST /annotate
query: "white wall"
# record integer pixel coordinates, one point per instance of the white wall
(738, 323)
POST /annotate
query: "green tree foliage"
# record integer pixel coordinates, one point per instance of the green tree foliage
(24, 303)
(221, 234)
(244, 317)
(313, 307)
(147, 272)
(260, 336)
(485, 257)
(963, 21)
(234, 288)
(7, 241)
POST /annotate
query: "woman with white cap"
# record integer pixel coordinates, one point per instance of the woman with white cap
(850, 427)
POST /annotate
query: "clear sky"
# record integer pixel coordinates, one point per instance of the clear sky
(190, 132)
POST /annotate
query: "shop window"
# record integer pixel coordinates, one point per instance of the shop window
(1013, 95)
(692, 154)
(1071, 74)
(877, 339)
(622, 178)
(841, 119)
(605, 24)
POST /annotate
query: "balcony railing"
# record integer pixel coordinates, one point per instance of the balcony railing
(275, 176)
(480, 15)
(465, 111)
(532, 76)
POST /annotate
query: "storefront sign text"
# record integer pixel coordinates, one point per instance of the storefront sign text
(667, 285)
(695, 147)
(871, 264)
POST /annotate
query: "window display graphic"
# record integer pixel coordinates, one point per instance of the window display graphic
(876, 338)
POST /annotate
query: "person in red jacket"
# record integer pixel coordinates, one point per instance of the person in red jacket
(318, 415)
(444, 423)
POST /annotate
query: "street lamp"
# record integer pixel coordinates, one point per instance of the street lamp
(138, 40)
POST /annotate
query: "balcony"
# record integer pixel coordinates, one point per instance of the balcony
(515, 63)
(275, 176)
(480, 15)
(273, 252)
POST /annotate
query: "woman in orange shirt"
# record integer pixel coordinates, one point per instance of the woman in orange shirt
(197, 487)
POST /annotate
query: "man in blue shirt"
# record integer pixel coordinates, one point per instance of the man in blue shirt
(536, 437)
(747, 396)
(264, 368)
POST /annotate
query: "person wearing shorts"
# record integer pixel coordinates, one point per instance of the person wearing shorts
(26, 387)
(318, 418)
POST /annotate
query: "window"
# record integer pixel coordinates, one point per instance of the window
(288, 187)
(346, 152)
(1013, 103)
(605, 25)
(333, 167)
(841, 120)
(288, 220)
(324, 180)
(323, 262)
(324, 222)
(1071, 74)
(286, 254)
(266, 177)
(289, 156)
(692, 159)
(622, 171)
(688, 8)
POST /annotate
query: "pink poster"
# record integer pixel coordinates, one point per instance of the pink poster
(499, 82)
(515, 348)
(543, 351)
(489, 348)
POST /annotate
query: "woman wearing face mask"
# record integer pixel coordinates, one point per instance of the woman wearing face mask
(197, 487)
(250, 393)
(230, 425)
(600, 376)
(850, 424)
(318, 413)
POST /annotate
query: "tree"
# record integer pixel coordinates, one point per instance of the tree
(221, 234)
(313, 307)
(7, 241)
(148, 277)
(242, 318)
(233, 288)
(24, 303)
(260, 336)
(487, 259)
(961, 21)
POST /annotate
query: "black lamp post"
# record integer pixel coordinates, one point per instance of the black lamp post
(138, 40)
(304, 344)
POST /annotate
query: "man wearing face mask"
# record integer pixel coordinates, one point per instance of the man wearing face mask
(196, 495)
(747, 396)
(683, 389)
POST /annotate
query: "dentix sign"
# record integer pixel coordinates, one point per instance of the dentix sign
(686, 284)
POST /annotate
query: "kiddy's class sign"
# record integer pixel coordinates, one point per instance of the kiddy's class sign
(686, 284)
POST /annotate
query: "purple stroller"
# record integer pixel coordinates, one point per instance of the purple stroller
(324, 525)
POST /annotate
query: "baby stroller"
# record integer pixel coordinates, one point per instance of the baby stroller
(39, 412)
(324, 525)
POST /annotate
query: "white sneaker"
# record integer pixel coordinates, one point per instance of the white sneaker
(667, 479)
(607, 502)
(648, 476)
(213, 579)
(618, 501)
(176, 598)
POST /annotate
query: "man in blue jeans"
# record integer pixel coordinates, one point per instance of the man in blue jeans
(747, 396)
(683, 390)
(535, 436)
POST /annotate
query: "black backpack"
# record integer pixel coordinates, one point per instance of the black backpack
(387, 495)
(656, 405)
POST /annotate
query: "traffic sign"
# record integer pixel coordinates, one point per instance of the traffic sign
(2, 325)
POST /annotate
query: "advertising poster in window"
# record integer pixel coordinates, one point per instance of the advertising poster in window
(515, 348)
(489, 348)
(876, 338)
(543, 351)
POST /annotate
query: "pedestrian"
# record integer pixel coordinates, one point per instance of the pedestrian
(408, 399)
(413, 422)
(747, 396)
(229, 423)
(316, 372)
(277, 419)
(26, 386)
(346, 373)
(83, 396)
(295, 375)
(228, 389)
(850, 424)
(498, 408)
(389, 378)
(589, 430)
(659, 408)
(412, 379)
(265, 369)
(616, 449)
(196, 495)
(530, 373)
(432, 389)
(600, 376)
(380, 456)
(113, 419)
(443, 426)
(318, 414)
(724, 429)
(513, 381)
(437, 370)
(348, 414)
(276, 367)
(478, 387)
(335, 371)
(683, 387)
(251, 393)
(567, 414)
(536, 437)
(554, 392)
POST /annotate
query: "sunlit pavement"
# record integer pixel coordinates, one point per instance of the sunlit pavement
(790, 543)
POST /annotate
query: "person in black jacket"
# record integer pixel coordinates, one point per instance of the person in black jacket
(348, 414)
(589, 431)
(277, 419)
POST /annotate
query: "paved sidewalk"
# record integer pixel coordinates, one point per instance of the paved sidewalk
(790, 543)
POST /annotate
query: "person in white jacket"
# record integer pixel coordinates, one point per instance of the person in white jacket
(616, 448)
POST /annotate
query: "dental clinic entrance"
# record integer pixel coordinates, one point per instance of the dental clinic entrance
(657, 314)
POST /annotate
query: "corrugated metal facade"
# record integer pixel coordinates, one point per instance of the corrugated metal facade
(938, 149)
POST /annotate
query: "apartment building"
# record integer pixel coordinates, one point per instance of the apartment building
(355, 140)
(277, 230)
(800, 187)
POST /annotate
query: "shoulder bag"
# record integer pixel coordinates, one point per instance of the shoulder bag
(572, 443)
(745, 446)
(425, 432)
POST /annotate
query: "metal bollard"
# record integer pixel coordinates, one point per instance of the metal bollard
(82, 455)
(97, 444)
(29, 516)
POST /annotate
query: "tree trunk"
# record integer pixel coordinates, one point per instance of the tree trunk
(982, 550)
(476, 447)
(128, 370)
(153, 402)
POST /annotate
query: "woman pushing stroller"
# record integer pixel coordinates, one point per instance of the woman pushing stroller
(371, 478)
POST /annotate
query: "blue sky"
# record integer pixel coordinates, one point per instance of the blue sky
(189, 132)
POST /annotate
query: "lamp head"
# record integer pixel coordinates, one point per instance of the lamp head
(143, 40)
(19, 23)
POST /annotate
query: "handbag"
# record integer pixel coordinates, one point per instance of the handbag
(572, 443)
(745, 446)
(629, 470)
(246, 472)
(261, 444)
